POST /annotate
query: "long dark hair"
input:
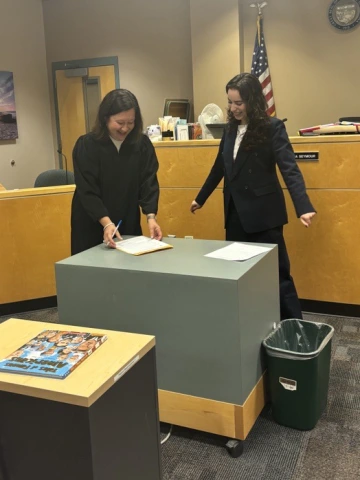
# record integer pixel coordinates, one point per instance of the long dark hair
(117, 101)
(250, 90)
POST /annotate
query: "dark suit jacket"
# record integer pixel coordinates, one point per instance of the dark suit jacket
(252, 181)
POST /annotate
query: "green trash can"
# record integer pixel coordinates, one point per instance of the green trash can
(298, 362)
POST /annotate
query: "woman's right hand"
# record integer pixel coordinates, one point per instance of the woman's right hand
(194, 206)
(108, 236)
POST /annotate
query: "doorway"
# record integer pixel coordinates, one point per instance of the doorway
(79, 86)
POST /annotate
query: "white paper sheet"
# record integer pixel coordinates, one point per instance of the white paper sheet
(140, 245)
(238, 252)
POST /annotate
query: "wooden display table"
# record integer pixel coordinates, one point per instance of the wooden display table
(101, 422)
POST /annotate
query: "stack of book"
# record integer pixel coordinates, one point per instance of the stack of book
(189, 131)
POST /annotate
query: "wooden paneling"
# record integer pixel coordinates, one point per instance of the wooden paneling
(183, 170)
(338, 165)
(35, 233)
(186, 166)
(325, 258)
(197, 413)
(246, 415)
(227, 419)
(85, 384)
(175, 218)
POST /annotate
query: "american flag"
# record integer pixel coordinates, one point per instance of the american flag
(260, 67)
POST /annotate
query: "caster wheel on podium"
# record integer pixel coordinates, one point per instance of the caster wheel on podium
(235, 447)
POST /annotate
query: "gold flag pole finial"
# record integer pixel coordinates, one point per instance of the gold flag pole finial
(259, 6)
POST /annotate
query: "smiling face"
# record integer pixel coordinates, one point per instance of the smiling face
(121, 124)
(67, 350)
(85, 346)
(237, 106)
(55, 338)
(63, 343)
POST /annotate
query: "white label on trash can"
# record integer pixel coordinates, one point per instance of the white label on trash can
(288, 384)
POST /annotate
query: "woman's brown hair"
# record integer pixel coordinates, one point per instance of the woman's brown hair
(117, 101)
(250, 90)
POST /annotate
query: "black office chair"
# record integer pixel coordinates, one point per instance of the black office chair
(54, 178)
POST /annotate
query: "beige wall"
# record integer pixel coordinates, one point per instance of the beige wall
(215, 40)
(313, 67)
(22, 52)
(152, 40)
(170, 48)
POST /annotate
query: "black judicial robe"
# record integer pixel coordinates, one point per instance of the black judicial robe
(114, 184)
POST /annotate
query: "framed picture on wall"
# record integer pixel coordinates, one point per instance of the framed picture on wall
(8, 122)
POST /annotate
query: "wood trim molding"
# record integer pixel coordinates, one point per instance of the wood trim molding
(246, 415)
(188, 143)
(311, 139)
(32, 192)
(198, 413)
(221, 418)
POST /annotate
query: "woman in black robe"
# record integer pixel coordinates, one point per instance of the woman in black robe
(115, 170)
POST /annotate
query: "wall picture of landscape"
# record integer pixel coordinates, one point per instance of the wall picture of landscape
(8, 123)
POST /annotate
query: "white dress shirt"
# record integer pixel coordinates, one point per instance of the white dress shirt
(239, 136)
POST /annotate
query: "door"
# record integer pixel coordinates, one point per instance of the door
(79, 88)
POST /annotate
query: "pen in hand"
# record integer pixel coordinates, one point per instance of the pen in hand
(116, 229)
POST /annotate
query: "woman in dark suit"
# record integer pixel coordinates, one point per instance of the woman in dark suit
(252, 145)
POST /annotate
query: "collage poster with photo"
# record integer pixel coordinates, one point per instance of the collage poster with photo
(8, 121)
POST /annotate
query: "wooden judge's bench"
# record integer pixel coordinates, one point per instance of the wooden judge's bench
(325, 258)
(35, 233)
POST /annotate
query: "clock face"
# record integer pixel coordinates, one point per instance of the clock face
(344, 14)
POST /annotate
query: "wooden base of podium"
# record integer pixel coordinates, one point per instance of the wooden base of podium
(226, 419)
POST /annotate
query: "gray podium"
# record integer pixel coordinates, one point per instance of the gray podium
(209, 317)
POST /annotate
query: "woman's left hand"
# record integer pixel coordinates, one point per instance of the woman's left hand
(306, 218)
(154, 229)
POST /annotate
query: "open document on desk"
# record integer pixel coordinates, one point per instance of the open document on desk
(140, 245)
(238, 252)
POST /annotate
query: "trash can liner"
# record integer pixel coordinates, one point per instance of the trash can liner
(298, 362)
(298, 339)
